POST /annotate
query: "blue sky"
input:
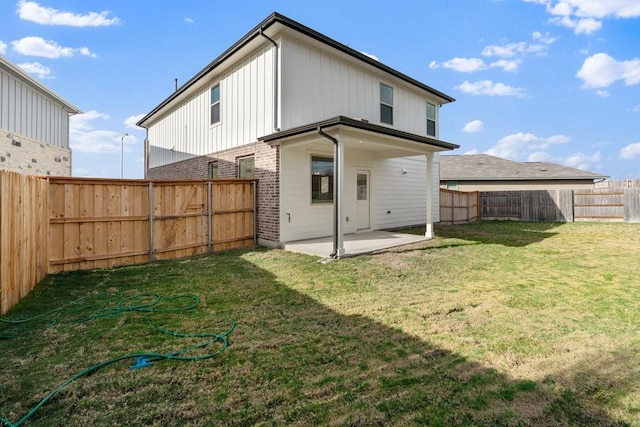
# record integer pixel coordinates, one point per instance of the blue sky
(534, 80)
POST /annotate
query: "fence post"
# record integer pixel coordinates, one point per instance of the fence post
(255, 212)
(150, 221)
(209, 216)
(573, 206)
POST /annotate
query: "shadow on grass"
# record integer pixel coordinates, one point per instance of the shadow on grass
(291, 360)
(504, 233)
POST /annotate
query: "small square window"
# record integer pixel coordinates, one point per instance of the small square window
(452, 185)
(246, 167)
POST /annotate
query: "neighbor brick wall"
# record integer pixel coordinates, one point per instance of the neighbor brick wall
(267, 169)
(32, 157)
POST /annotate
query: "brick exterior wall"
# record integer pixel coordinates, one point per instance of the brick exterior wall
(30, 157)
(267, 170)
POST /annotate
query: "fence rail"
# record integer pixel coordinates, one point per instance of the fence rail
(64, 224)
(600, 204)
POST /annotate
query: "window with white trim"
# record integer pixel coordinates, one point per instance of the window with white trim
(386, 104)
(431, 119)
(215, 104)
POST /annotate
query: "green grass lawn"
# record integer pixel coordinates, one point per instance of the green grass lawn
(496, 323)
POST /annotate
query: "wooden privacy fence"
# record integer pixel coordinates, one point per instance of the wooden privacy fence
(105, 223)
(458, 207)
(64, 224)
(601, 204)
(24, 256)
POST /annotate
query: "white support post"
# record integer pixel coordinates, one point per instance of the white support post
(429, 222)
(340, 197)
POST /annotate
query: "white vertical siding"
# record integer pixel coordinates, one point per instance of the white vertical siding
(26, 111)
(397, 199)
(318, 85)
(246, 113)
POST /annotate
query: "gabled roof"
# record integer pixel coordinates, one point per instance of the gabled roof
(483, 167)
(276, 18)
(22, 75)
(357, 124)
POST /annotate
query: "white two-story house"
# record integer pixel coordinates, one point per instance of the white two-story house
(340, 142)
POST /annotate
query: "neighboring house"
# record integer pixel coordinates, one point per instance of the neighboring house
(482, 172)
(316, 122)
(34, 125)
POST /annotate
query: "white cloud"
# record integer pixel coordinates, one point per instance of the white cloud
(462, 65)
(470, 152)
(32, 11)
(520, 145)
(36, 68)
(84, 138)
(3, 47)
(631, 151)
(370, 55)
(602, 93)
(507, 64)
(131, 121)
(585, 16)
(582, 161)
(473, 126)
(188, 20)
(601, 70)
(37, 46)
(487, 87)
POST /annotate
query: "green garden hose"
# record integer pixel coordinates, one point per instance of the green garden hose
(145, 303)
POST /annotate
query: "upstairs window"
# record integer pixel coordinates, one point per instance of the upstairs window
(386, 104)
(321, 179)
(246, 167)
(431, 119)
(215, 104)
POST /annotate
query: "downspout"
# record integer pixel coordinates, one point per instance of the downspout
(336, 190)
(275, 80)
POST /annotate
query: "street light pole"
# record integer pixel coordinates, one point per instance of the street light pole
(122, 154)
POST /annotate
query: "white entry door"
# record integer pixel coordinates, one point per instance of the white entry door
(363, 206)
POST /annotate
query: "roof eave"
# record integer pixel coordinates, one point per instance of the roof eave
(268, 22)
(357, 124)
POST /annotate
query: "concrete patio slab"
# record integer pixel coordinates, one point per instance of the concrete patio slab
(354, 244)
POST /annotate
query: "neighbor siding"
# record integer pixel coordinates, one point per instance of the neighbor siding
(246, 99)
(27, 112)
(318, 85)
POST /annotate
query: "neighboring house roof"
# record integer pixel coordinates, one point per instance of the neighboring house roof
(276, 18)
(358, 124)
(483, 167)
(21, 74)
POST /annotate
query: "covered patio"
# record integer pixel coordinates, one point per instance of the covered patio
(355, 244)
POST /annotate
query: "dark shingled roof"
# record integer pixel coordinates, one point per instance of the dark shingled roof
(483, 167)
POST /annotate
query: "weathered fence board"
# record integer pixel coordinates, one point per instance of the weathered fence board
(458, 207)
(600, 204)
(546, 205)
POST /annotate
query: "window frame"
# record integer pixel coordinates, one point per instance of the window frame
(240, 159)
(211, 168)
(451, 185)
(318, 201)
(433, 119)
(384, 104)
(217, 103)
